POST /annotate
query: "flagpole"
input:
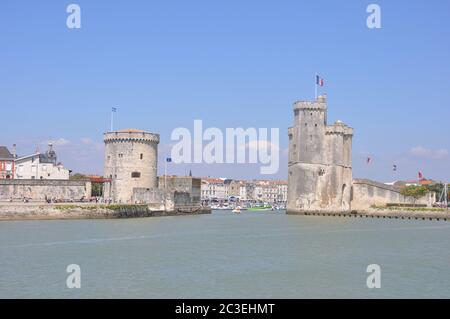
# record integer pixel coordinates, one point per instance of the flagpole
(165, 174)
(112, 120)
(316, 85)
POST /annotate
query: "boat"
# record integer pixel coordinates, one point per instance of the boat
(237, 210)
(260, 208)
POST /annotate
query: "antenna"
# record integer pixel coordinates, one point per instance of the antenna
(446, 196)
(443, 198)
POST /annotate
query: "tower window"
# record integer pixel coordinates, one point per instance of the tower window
(135, 175)
(142, 156)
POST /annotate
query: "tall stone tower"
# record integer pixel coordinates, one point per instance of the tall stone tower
(131, 160)
(320, 160)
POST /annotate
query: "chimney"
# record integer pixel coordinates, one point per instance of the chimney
(14, 150)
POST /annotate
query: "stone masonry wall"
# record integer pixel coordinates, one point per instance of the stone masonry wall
(367, 193)
(37, 190)
(190, 185)
(161, 199)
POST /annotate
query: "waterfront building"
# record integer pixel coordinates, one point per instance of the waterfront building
(270, 192)
(255, 191)
(214, 189)
(6, 163)
(40, 166)
(243, 196)
(281, 191)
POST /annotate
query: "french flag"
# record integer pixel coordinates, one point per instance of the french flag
(319, 81)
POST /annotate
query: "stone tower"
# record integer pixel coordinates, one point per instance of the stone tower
(131, 159)
(320, 160)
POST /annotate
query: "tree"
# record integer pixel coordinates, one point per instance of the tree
(415, 192)
(97, 188)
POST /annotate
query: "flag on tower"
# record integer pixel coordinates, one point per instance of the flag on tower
(319, 81)
(395, 167)
(420, 175)
(114, 109)
(369, 159)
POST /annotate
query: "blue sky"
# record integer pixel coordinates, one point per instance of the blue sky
(230, 64)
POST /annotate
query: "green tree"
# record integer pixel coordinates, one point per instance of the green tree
(97, 188)
(415, 191)
(78, 176)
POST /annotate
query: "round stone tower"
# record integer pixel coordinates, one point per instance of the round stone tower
(131, 160)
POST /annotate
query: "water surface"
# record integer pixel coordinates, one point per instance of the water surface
(252, 255)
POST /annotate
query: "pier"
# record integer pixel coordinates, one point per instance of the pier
(386, 214)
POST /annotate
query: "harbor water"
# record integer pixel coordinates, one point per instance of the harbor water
(225, 255)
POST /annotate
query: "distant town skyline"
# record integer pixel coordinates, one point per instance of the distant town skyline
(166, 65)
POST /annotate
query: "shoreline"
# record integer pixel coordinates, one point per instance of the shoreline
(69, 211)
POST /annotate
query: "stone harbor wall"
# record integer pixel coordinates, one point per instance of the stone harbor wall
(168, 200)
(367, 193)
(37, 190)
(35, 211)
(190, 185)
(148, 195)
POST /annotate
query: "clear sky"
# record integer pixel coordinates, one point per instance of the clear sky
(231, 64)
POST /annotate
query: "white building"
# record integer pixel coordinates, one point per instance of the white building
(243, 192)
(6, 163)
(270, 191)
(282, 191)
(214, 188)
(40, 166)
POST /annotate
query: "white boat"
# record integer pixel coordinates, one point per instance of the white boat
(237, 210)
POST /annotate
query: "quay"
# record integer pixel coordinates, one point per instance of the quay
(386, 214)
(67, 211)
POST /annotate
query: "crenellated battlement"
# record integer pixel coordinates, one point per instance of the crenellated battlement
(128, 136)
(320, 104)
(339, 128)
